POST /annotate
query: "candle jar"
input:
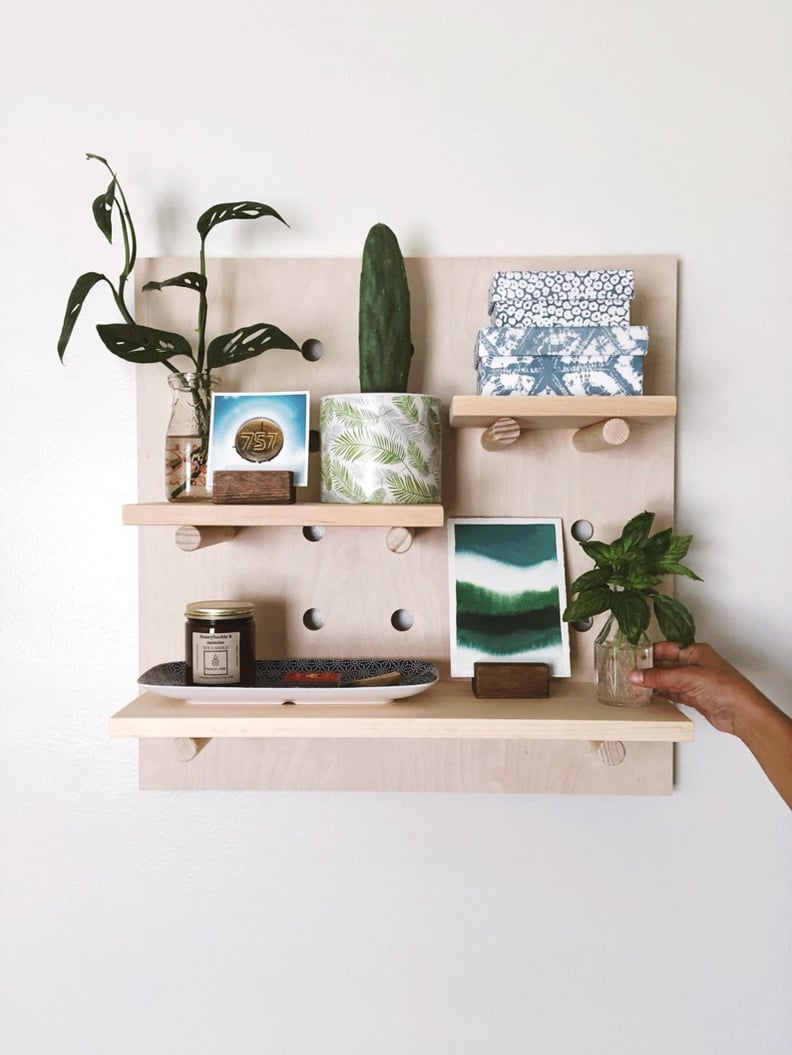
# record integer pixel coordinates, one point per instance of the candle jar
(220, 643)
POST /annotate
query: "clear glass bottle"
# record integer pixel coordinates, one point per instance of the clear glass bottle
(614, 658)
(187, 438)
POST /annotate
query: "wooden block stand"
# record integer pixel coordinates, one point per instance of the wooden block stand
(341, 581)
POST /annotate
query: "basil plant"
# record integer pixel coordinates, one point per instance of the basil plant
(625, 578)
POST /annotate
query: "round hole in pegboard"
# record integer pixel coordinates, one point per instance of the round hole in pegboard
(313, 619)
(314, 441)
(312, 350)
(402, 619)
(314, 533)
(582, 530)
(582, 625)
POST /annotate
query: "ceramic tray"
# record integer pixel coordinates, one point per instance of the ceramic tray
(167, 679)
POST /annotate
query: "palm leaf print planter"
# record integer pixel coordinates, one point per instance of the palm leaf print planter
(381, 448)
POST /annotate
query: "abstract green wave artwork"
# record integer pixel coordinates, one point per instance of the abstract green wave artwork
(507, 593)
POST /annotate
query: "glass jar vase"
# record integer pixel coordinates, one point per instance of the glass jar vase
(614, 658)
(187, 438)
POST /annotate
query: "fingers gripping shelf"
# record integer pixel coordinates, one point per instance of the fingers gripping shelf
(334, 565)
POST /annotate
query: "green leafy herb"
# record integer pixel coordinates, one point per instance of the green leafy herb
(625, 578)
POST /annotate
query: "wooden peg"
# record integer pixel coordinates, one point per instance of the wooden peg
(611, 752)
(399, 539)
(501, 433)
(602, 435)
(187, 747)
(189, 538)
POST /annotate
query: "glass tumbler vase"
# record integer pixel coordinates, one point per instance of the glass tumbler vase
(187, 438)
(614, 658)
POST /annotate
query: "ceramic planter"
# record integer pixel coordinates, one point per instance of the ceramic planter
(381, 448)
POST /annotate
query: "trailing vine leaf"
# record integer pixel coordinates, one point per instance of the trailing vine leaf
(82, 287)
(103, 210)
(142, 344)
(246, 343)
(235, 210)
(188, 280)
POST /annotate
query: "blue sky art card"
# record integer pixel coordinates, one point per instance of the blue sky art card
(507, 593)
(263, 431)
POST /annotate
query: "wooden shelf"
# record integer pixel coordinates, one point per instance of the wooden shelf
(558, 412)
(301, 514)
(447, 711)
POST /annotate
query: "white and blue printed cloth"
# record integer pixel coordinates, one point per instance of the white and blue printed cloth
(563, 361)
(496, 341)
(566, 298)
(562, 375)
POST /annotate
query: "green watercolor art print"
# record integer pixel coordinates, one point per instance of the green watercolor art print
(507, 593)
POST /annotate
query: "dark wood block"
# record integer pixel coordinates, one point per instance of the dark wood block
(508, 681)
(264, 487)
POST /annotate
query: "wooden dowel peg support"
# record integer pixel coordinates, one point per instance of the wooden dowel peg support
(188, 747)
(190, 538)
(501, 433)
(602, 435)
(400, 539)
(611, 752)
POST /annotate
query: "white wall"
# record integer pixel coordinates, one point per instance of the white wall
(389, 924)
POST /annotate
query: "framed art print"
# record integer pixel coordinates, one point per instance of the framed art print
(259, 431)
(507, 593)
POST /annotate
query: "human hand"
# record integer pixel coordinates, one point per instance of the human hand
(699, 677)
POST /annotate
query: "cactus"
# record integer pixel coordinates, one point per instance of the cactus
(384, 321)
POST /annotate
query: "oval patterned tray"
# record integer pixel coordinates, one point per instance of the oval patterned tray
(272, 684)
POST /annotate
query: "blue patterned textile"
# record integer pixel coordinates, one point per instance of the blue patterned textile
(571, 341)
(561, 375)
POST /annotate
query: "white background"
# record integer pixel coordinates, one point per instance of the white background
(388, 924)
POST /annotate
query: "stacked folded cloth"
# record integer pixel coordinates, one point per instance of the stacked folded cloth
(563, 333)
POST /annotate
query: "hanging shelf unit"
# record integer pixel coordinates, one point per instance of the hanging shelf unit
(445, 738)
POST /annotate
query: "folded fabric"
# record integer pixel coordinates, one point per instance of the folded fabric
(496, 341)
(562, 285)
(561, 375)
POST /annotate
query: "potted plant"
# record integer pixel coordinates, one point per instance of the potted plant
(624, 584)
(381, 445)
(190, 369)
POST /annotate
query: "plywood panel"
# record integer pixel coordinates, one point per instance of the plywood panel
(563, 767)
(350, 575)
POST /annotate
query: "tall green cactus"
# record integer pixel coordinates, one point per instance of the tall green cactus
(384, 321)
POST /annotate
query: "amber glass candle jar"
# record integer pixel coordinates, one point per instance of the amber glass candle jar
(220, 643)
